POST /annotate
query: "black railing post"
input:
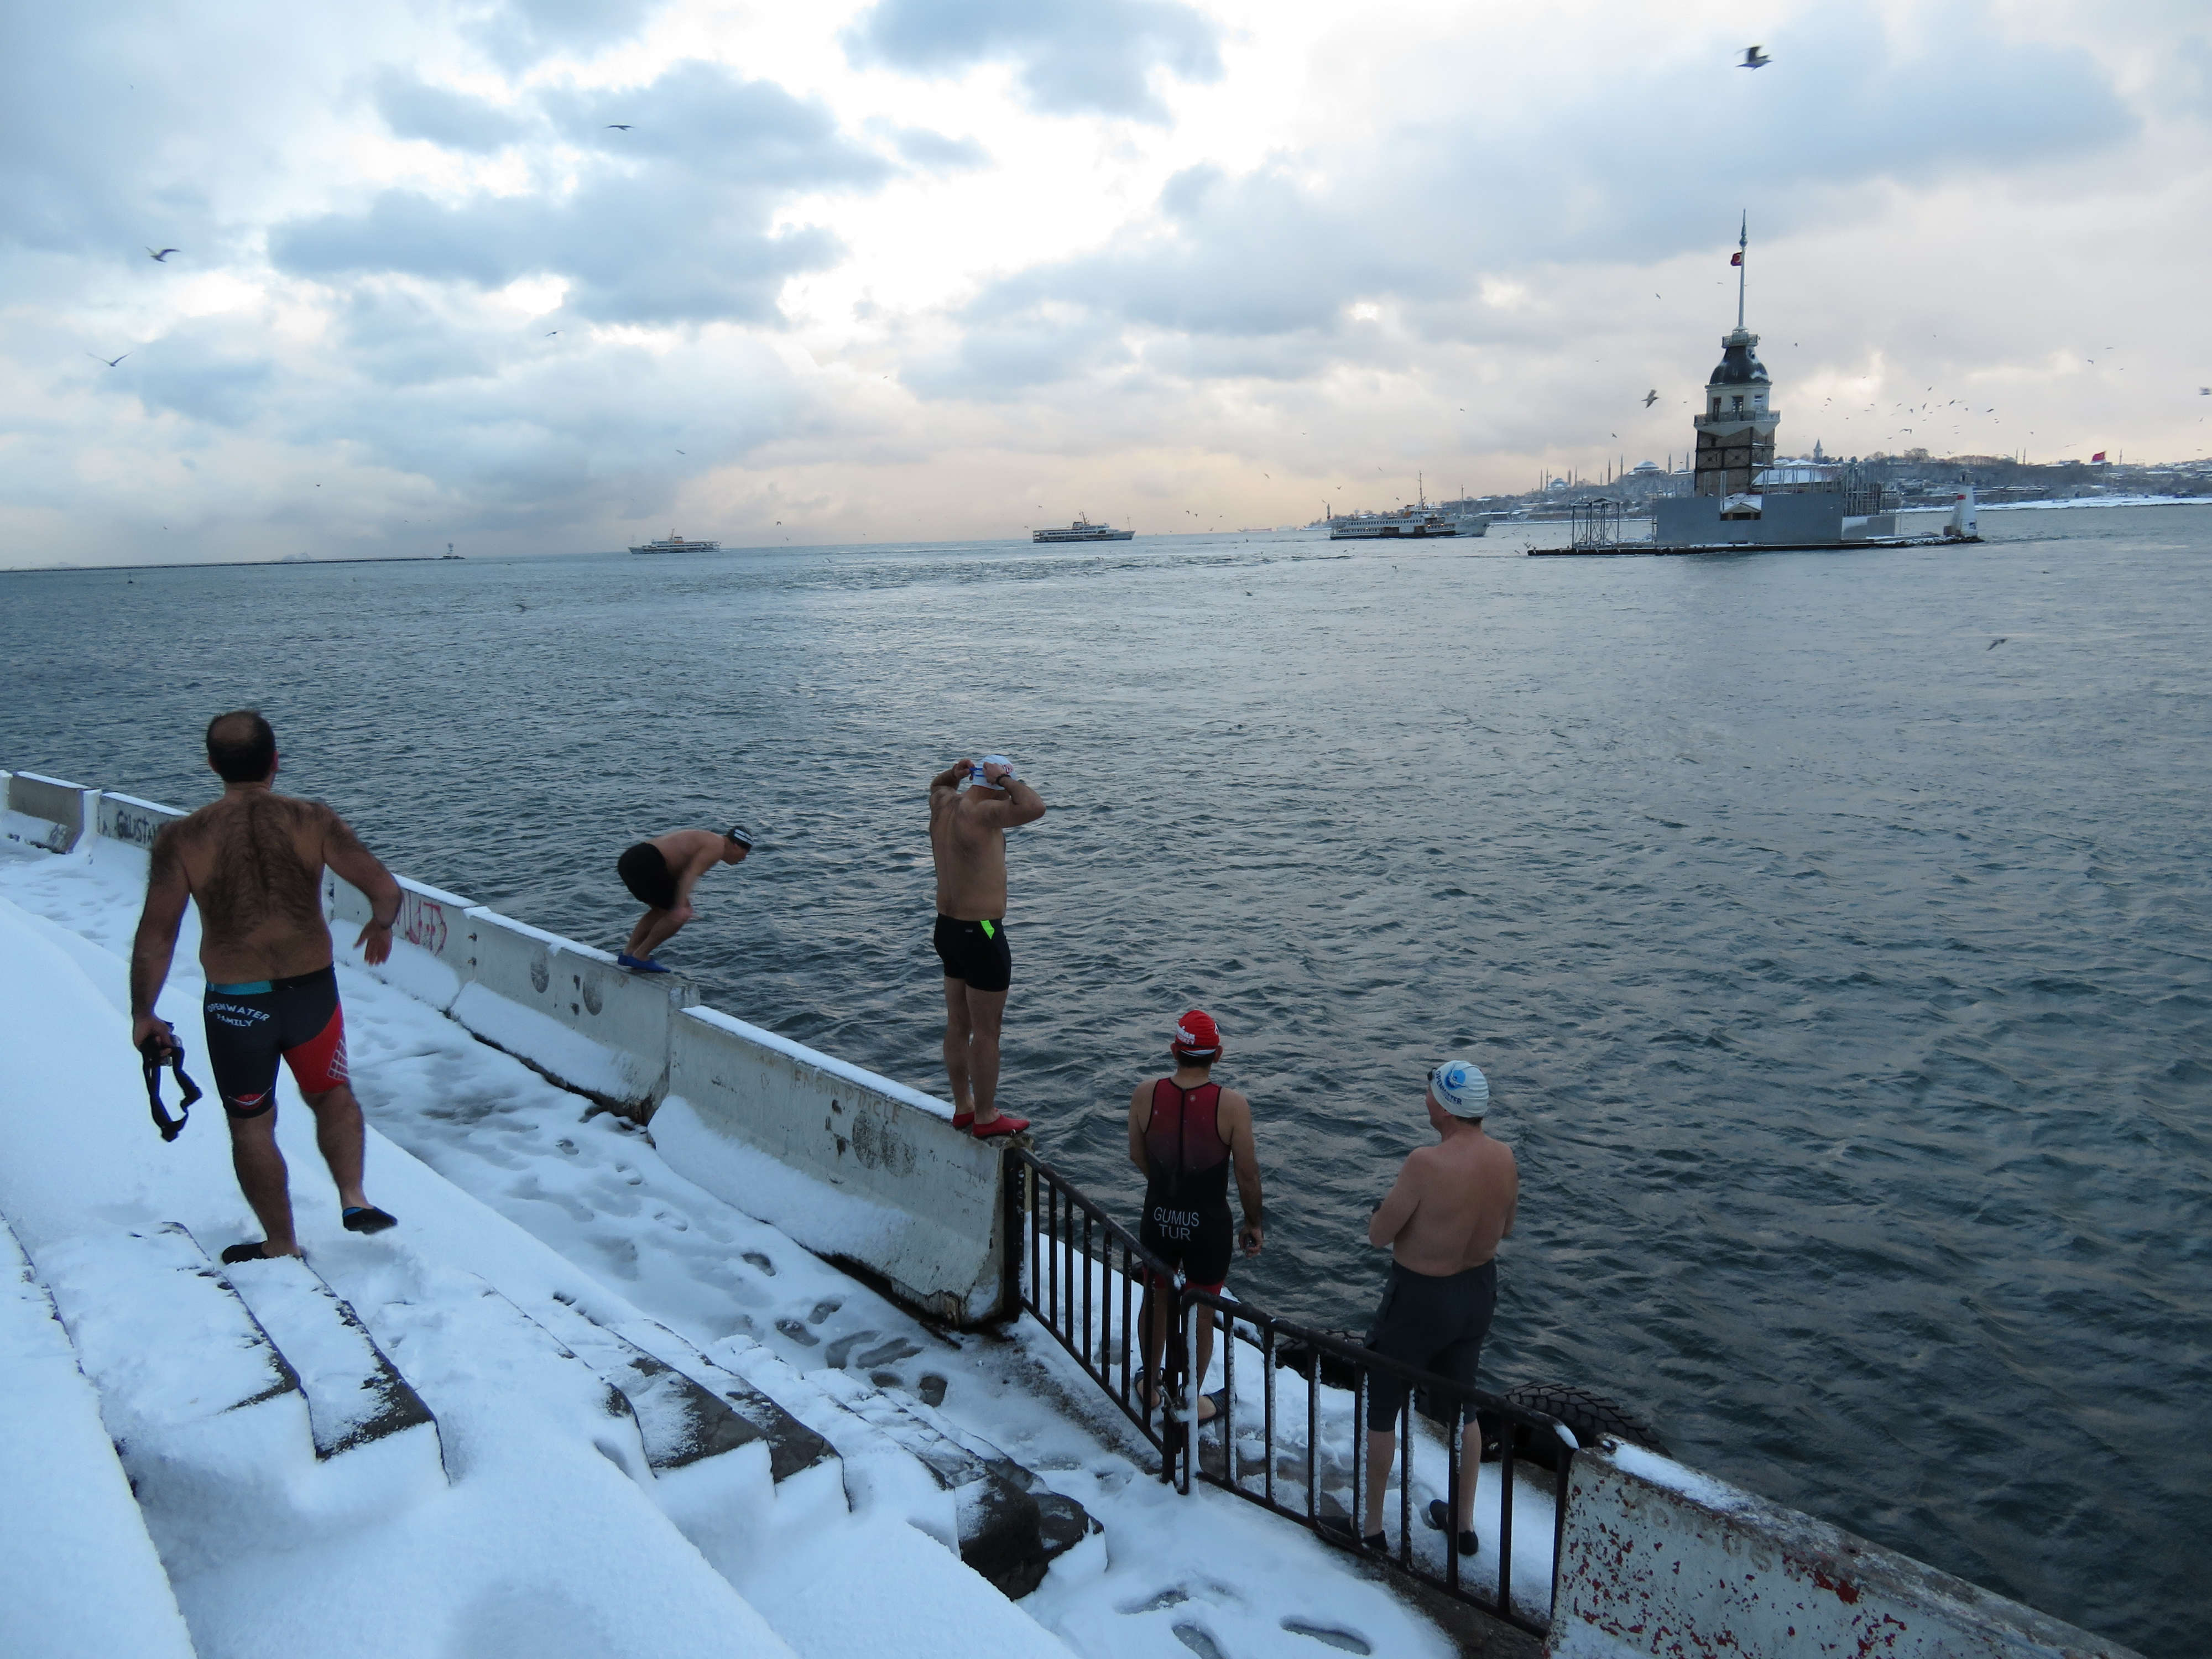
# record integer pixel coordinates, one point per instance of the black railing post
(1505, 1521)
(1013, 1178)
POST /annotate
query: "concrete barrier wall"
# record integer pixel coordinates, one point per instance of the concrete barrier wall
(1658, 1559)
(915, 1202)
(128, 819)
(57, 811)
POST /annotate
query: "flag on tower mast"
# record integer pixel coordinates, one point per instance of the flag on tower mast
(1735, 258)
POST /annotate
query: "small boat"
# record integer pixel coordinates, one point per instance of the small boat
(676, 543)
(1083, 530)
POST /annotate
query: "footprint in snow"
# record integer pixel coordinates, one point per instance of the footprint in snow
(931, 1389)
(762, 1262)
(822, 1309)
(841, 1350)
(1166, 1598)
(1195, 1638)
(798, 1333)
(887, 1379)
(1347, 1640)
(891, 1352)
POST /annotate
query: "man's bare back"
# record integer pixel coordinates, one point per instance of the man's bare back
(253, 862)
(1453, 1201)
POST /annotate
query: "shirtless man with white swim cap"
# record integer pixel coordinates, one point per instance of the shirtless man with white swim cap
(968, 840)
(1443, 1221)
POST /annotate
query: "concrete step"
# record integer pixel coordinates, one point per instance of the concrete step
(687, 1406)
(972, 1496)
(207, 1414)
(79, 1574)
(355, 1396)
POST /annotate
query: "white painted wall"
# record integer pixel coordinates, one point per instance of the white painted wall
(1659, 1560)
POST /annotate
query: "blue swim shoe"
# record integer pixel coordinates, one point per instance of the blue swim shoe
(639, 964)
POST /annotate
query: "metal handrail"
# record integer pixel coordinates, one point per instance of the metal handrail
(1064, 1225)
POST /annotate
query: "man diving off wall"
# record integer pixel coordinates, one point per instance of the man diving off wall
(253, 862)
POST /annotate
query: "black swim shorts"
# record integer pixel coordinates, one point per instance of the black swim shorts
(1436, 1324)
(974, 951)
(645, 873)
(250, 1026)
(1200, 1241)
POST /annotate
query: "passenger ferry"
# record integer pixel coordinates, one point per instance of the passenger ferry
(1414, 522)
(1083, 530)
(676, 543)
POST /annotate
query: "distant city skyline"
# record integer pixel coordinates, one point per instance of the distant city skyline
(539, 275)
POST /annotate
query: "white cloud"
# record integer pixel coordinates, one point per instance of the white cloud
(879, 269)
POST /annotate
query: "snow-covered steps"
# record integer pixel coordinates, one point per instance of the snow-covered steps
(79, 1574)
(210, 1419)
(958, 1489)
(354, 1396)
(690, 1408)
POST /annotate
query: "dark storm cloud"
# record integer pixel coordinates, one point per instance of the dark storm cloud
(1490, 187)
(1073, 57)
(451, 120)
(671, 224)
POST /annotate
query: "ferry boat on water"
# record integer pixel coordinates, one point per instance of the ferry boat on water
(676, 543)
(1083, 530)
(1415, 522)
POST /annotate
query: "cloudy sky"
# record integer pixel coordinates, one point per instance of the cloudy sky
(555, 275)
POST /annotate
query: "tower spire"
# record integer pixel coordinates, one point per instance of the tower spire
(1742, 245)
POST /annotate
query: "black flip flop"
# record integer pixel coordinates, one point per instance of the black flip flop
(256, 1251)
(1440, 1521)
(368, 1218)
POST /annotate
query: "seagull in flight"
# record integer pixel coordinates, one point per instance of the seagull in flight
(110, 361)
(1996, 642)
(1651, 397)
(550, 332)
(618, 126)
(1754, 58)
(162, 257)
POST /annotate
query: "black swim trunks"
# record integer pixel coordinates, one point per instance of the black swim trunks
(1437, 1324)
(250, 1025)
(974, 951)
(645, 873)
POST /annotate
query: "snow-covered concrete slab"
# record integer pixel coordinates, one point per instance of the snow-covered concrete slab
(78, 1574)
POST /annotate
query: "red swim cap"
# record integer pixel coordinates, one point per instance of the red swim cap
(1196, 1038)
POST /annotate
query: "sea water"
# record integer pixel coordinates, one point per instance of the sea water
(1833, 927)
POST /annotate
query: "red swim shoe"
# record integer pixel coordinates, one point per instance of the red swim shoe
(964, 1120)
(1005, 1124)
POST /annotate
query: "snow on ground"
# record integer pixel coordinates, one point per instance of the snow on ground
(2096, 501)
(545, 1544)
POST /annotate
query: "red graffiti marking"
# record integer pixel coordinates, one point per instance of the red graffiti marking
(422, 921)
(1844, 1590)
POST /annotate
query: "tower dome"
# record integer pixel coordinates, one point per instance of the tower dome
(1739, 364)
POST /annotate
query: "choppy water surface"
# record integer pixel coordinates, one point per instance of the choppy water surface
(1844, 978)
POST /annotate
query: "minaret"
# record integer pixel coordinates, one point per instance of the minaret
(1735, 430)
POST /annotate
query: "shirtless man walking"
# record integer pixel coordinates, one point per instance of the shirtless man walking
(967, 839)
(1442, 1220)
(660, 874)
(254, 860)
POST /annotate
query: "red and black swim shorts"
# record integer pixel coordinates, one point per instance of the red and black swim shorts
(251, 1026)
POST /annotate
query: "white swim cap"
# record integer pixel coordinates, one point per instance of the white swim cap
(1461, 1088)
(976, 772)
